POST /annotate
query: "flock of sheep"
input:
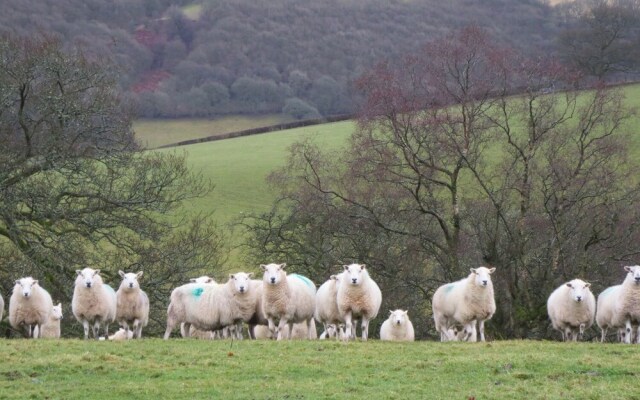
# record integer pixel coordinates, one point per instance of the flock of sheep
(285, 306)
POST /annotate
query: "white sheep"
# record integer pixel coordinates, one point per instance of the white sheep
(258, 318)
(463, 303)
(358, 298)
(132, 304)
(572, 309)
(94, 302)
(204, 279)
(196, 333)
(208, 307)
(287, 298)
(29, 306)
(327, 312)
(1, 307)
(122, 334)
(246, 296)
(627, 308)
(605, 308)
(51, 329)
(397, 327)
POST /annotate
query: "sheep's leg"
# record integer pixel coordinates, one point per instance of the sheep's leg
(85, 325)
(239, 329)
(603, 335)
(106, 330)
(280, 331)
(481, 329)
(272, 328)
(309, 327)
(364, 327)
(627, 333)
(290, 329)
(348, 326)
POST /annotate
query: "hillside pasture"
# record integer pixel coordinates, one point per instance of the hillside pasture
(176, 369)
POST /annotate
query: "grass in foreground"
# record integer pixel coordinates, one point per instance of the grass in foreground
(178, 368)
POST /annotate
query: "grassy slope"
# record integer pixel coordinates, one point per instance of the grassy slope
(153, 368)
(238, 167)
(155, 133)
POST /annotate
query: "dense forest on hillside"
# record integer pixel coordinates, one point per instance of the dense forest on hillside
(214, 57)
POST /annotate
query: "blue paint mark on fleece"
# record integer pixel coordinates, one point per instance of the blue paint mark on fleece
(607, 291)
(449, 288)
(197, 291)
(304, 279)
(109, 287)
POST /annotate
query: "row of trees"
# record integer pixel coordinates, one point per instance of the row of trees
(449, 170)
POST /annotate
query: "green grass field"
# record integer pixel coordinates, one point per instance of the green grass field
(159, 132)
(188, 369)
(238, 167)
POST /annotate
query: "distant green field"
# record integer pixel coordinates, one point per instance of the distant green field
(159, 132)
(238, 167)
(192, 369)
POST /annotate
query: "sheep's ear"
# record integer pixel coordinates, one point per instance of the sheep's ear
(79, 272)
(192, 280)
(35, 282)
(587, 284)
(473, 270)
(18, 282)
(121, 273)
(405, 312)
(283, 265)
(60, 305)
(96, 272)
(362, 267)
(492, 270)
(334, 277)
(346, 267)
(263, 267)
(250, 274)
(232, 276)
(390, 312)
(569, 284)
(627, 268)
(210, 280)
(139, 274)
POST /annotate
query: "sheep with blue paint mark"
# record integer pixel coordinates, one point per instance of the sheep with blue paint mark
(463, 304)
(29, 307)
(94, 302)
(287, 299)
(210, 307)
(358, 298)
(572, 309)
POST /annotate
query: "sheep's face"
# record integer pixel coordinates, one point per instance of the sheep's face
(26, 286)
(273, 273)
(332, 331)
(633, 272)
(241, 281)
(203, 280)
(482, 276)
(579, 290)
(56, 312)
(88, 277)
(354, 273)
(130, 280)
(398, 317)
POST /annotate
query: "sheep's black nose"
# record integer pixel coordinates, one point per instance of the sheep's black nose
(354, 280)
(88, 284)
(131, 285)
(273, 280)
(241, 289)
(637, 278)
(484, 283)
(579, 298)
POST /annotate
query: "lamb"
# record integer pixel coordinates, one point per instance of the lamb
(209, 307)
(288, 299)
(605, 308)
(29, 307)
(51, 329)
(327, 312)
(358, 297)
(572, 309)
(94, 302)
(463, 303)
(627, 307)
(397, 327)
(132, 304)
(122, 334)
